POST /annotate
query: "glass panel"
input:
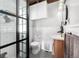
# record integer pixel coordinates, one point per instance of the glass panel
(22, 36)
(24, 11)
(7, 22)
(8, 5)
(20, 45)
(22, 7)
(20, 21)
(21, 54)
(7, 29)
(22, 49)
(20, 12)
(24, 55)
(22, 28)
(9, 52)
(8, 26)
(24, 21)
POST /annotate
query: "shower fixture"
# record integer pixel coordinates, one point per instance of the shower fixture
(7, 19)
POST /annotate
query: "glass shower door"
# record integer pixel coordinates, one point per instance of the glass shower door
(7, 28)
(13, 29)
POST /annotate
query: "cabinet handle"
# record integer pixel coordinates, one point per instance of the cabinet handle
(70, 33)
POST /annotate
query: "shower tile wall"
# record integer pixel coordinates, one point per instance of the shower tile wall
(8, 35)
(8, 30)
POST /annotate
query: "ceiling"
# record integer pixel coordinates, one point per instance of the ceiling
(37, 1)
(51, 1)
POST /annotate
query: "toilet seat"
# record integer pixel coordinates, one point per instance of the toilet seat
(34, 43)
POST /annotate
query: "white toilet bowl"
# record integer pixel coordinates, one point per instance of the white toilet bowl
(35, 47)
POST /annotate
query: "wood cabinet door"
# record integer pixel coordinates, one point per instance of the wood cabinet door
(59, 48)
(76, 47)
(72, 46)
(67, 46)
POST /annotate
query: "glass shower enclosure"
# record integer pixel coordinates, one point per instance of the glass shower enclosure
(14, 29)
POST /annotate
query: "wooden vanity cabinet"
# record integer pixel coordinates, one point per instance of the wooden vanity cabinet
(71, 46)
(59, 48)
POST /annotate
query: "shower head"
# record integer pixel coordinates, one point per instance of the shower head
(5, 16)
(7, 19)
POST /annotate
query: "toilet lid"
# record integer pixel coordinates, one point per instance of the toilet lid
(34, 43)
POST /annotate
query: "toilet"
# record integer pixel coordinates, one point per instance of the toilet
(35, 47)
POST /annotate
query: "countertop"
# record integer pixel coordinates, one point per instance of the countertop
(58, 37)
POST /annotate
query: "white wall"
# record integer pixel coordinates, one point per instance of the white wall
(73, 11)
(73, 26)
(45, 29)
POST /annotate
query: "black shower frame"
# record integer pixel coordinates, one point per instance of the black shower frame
(17, 34)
